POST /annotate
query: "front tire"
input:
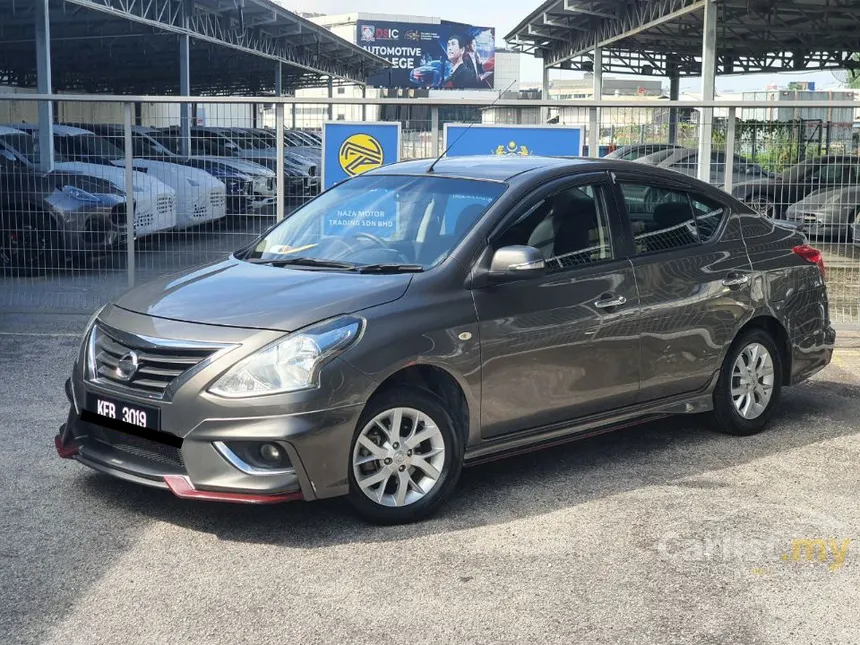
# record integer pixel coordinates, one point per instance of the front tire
(405, 457)
(749, 386)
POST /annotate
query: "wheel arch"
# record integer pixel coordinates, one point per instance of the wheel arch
(443, 384)
(775, 330)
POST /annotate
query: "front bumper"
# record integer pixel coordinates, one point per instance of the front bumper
(196, 470)
(314, 427)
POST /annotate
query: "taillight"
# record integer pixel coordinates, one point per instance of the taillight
(812, 256)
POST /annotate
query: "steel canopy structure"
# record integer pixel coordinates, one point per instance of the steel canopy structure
(664, 37)
(143, 47)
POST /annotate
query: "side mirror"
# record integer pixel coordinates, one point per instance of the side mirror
(516, 263)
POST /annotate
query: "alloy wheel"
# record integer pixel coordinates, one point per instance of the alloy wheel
(398, 457)
(752, 381)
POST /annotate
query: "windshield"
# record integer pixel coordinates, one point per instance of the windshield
(79, 146)
(22, 144)
(395, 220)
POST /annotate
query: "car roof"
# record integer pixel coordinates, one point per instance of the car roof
(497, 168)
(9, 130)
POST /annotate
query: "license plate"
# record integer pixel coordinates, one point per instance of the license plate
(122, 412)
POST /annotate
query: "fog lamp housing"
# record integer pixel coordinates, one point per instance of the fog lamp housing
(256, 457)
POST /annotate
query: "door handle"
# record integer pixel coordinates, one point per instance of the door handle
(736, 279)
(608, 303)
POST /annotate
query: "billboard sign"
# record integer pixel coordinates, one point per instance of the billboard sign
(449, 55)
(350, 149)
(513, 140)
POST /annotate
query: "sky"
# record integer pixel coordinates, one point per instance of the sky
(507, 14)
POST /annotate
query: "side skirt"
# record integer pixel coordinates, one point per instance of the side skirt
(548, 436)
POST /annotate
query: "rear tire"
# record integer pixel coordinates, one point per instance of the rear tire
(749, 385)
(402, 474)
(28, 242)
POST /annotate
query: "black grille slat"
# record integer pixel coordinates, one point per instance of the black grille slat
(146, 448)
(158, 366)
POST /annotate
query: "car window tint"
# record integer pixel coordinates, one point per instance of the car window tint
(661, 219)
(570, 228)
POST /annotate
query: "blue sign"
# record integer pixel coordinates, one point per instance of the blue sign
(507, 140)
(350, 149)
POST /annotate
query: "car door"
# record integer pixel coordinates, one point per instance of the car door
(566, 344)
(692, 272)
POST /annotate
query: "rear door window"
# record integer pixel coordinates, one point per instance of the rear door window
(663, 219)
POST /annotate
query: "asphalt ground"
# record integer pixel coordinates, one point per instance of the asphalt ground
(662, 533)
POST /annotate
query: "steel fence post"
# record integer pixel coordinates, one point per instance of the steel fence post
(128, 113)
(593, 133)
(434, 131)
(279, 161)
(730, 151)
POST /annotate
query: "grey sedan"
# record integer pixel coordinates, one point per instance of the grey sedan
(428, 316)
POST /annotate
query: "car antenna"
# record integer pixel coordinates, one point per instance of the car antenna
(463, 133)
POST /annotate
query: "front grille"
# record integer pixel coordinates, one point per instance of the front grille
(164, 206)
(143, 448)
(199, 212)
(157, 366)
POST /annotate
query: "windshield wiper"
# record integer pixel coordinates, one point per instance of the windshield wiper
(389, 268)
(309, 262)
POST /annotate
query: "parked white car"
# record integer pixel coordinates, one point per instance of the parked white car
(200, 197)
(154, 201)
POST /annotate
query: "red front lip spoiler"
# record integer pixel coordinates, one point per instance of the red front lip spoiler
(65, 452)
(181, 486)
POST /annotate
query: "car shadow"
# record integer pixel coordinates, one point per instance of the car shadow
(677, 452)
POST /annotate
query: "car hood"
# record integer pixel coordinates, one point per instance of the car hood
(833, 198)
(243, 166)
(179, 177)
(145, 186)
(239, 294)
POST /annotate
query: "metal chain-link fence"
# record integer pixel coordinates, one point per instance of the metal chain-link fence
(197, 180)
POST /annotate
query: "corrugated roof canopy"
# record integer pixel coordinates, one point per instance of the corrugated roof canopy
(656, 36)
(132, 46)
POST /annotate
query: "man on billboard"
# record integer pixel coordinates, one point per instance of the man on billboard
(462, 75)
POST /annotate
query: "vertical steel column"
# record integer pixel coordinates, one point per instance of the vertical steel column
(674, 95)
(330, 95)
(43, 82)
(544, 111)
(128, 112)
(279, 162)
(730, 150)
(434, 131)
(597, 89)
(279, 80)
(709, 74)
(185, 90)
(363, 104)
(593, 133)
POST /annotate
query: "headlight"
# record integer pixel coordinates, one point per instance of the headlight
(290, 364)
(81, 195)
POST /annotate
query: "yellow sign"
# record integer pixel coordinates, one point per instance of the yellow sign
(511, 149)
(360, 153)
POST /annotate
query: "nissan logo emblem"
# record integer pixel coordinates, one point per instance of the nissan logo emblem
(127, 366)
